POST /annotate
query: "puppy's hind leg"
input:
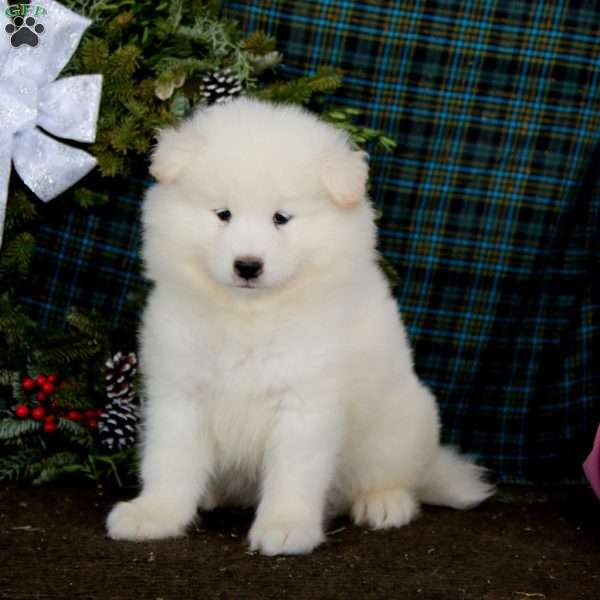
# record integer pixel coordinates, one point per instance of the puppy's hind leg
(396, 442)
(384, 508)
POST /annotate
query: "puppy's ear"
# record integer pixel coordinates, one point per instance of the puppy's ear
(345, 173)
(169, 156)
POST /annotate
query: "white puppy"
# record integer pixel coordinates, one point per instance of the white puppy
(277, 370)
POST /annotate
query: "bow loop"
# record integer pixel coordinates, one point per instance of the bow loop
(69, 107)
(46, 166)
(18, 103)
(29, 97)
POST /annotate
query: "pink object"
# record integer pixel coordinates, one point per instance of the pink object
(591, 466)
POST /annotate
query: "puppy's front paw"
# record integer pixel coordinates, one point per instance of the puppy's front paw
(144, 519)
(381, 509)
(285, 536)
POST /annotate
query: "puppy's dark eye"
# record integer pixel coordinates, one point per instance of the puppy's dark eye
(224, 215)
(280, 218)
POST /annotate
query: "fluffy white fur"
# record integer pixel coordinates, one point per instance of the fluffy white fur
(294, 392)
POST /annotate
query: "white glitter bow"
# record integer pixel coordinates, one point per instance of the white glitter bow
(29, 97)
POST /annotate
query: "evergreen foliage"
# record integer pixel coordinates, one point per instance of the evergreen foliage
(12, 429)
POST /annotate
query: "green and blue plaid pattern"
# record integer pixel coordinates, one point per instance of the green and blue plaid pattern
(89, 258)
(486, 214)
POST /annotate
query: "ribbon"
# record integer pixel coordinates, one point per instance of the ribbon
(31, 100)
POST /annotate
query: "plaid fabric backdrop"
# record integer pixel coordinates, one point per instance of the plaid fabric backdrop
(486, 214)
(89, 258)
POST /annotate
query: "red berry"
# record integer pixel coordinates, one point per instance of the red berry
(28, 384)
(52, 378)
(99, 412)
(38, 413)
(74, 415)
(40, 380)
(90, 414)
(49, 424)
(40, 396)
(92, 423)
(22, 411)
(48, 388)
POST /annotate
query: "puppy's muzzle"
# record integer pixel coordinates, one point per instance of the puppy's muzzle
(248, 267)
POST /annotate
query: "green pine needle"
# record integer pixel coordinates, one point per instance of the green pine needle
(16, 466)
(76, 433)
(260, 43)
(86, 198)
(20, 210)
(17, 254)
(52, 467)
(12, 428)
(7, 376)
(301, 91)
(94, 55)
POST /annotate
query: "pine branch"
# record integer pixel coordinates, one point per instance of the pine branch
(123, 137)
(121, 465)
(17, 254)
(109, 162)
(136, 108)
(12, 320)
(11, 429)
(87, 8)
(86, 198)
(90, 325)
(16, 466)
(94, 54)
(51, 468)
(175, 15)
(260, 43)
(6, 377)
(173, 67)
(20, 210)
(16, 333)
(343, 118)
(73, 396)
(301, 91)
(76, 433)
(124, 61)
(61, 349)
(222, 41)
(18, 393)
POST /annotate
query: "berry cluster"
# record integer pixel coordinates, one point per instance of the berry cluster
(42, 392)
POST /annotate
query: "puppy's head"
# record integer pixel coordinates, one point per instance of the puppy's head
(253, 196)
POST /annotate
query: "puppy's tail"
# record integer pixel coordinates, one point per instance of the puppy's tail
(454, 480)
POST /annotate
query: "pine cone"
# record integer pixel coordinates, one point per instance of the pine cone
(219, 86)
(120, 371)
(118, 424)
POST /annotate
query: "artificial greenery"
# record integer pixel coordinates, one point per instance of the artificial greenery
(152, 57)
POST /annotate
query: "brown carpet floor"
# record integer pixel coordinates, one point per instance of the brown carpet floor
(523, 544)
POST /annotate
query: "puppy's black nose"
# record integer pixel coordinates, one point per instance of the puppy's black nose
(248, 268)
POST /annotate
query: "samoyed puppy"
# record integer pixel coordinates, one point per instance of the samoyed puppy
(277, 370)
